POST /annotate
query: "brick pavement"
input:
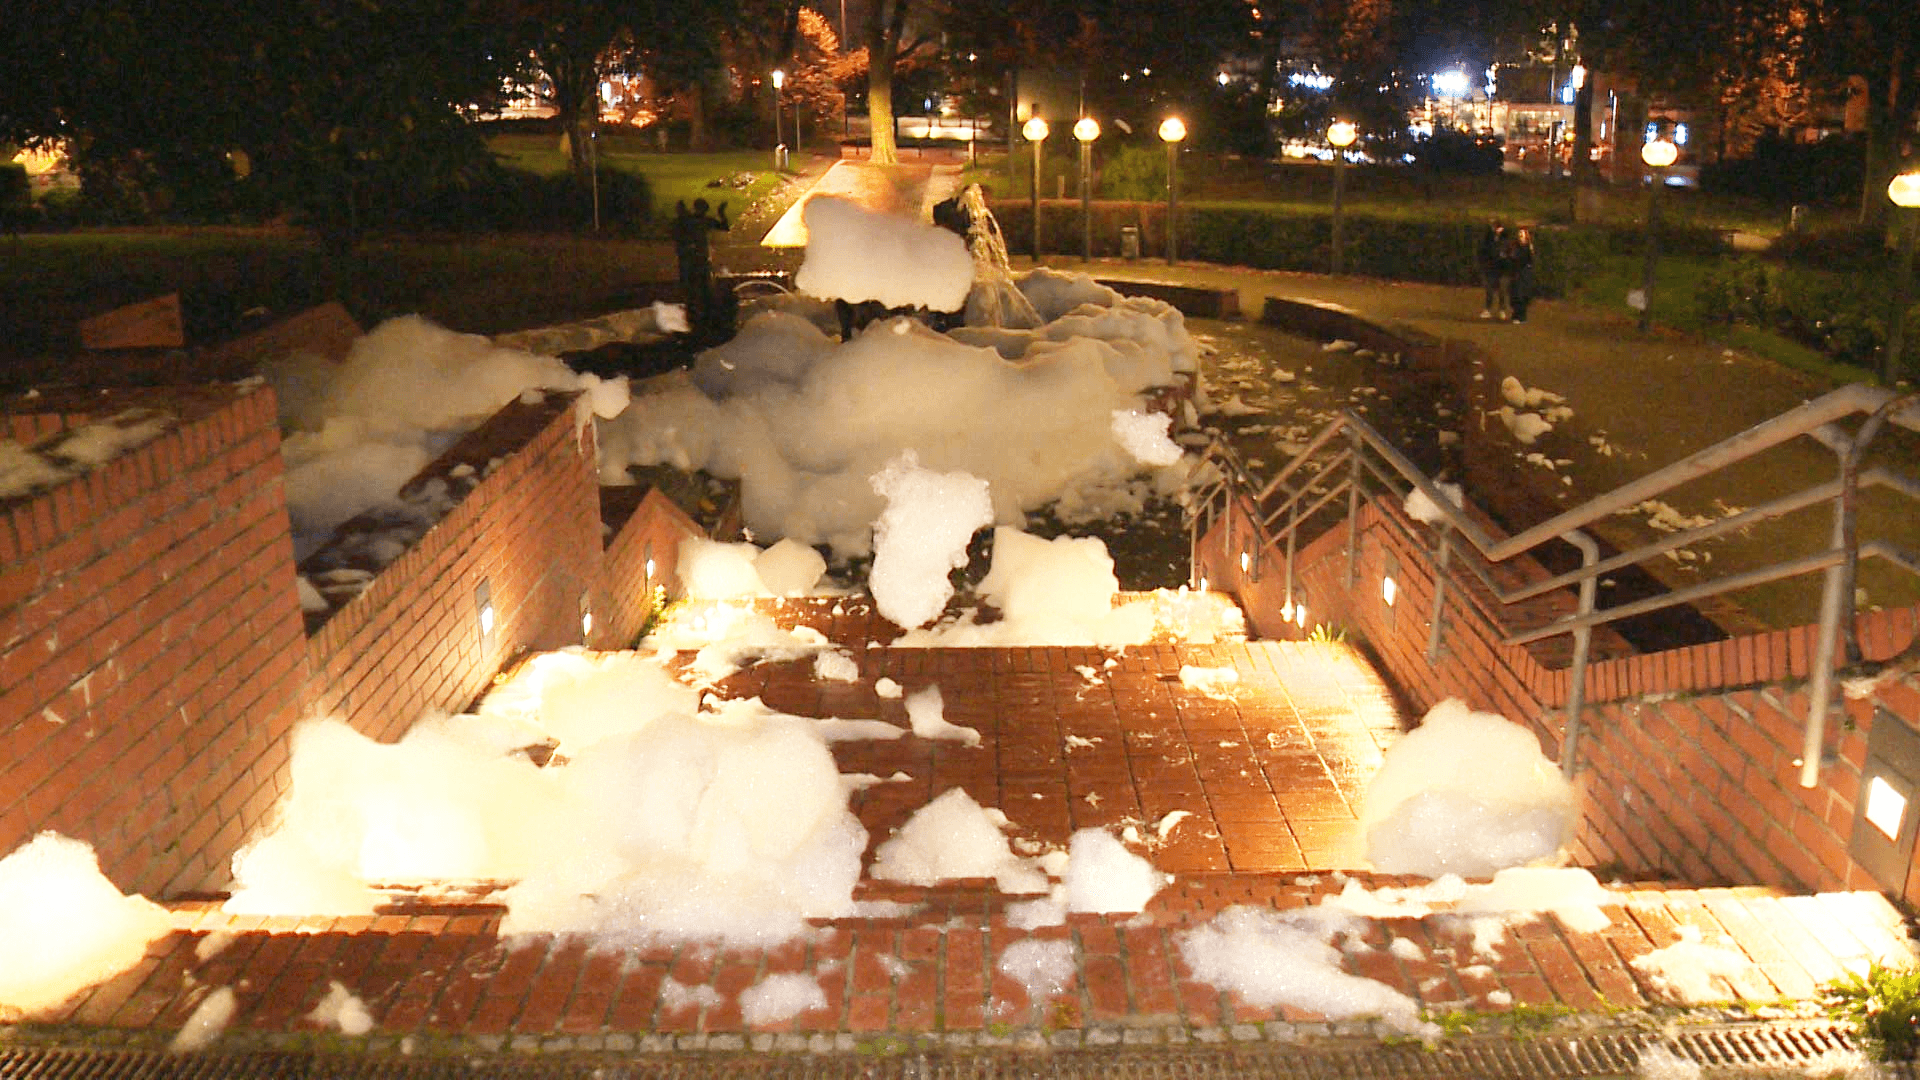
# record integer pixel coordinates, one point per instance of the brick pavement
(1271, 772)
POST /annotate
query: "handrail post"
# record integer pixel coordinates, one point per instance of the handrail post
(1582, 647)
(1353, 505)
(1293, 533)
(1441, 557)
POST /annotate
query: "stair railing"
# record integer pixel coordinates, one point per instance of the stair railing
(1349, 455)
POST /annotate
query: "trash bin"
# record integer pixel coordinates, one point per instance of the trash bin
(1797, 219)
(780, 157)
(1129, 241)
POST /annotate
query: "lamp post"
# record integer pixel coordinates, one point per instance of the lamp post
(1035, 130)
(1905, 193)
(1172, 130)
(1340, 135)
(779, 144)
(1658, 154)
(1086, 129)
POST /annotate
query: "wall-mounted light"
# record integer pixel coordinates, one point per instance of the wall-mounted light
(649, 553)
(483, 613)
(1300, 614)
(1884, 824)
(1246, 561)
(586, 617)
(1886, 807)
(1388, 587)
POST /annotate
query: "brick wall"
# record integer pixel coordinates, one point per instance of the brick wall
(154, 657)
(642, 526)
(150, 659)
(1689, 756)
(530, 530)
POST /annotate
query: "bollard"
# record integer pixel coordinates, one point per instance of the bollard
(1129, 242)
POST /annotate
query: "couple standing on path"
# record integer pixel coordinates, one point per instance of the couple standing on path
(1505, 261)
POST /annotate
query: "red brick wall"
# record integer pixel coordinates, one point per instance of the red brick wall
(530, 529)
(150, 659)
(650, 526)
(1689, 757)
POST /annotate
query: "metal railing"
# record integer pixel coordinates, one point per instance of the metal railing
(1349, 455)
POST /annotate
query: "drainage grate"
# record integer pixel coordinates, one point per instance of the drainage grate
(1734, 1048)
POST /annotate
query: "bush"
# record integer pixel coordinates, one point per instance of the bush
(1457, 153)
(16, 197)
(1832, 312)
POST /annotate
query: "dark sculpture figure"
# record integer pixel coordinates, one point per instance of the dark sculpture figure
(690, 229)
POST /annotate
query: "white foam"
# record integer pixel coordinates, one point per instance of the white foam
(1103, 876)
(856, 254)
(1269, 959)
(1044, 966)
(780, 997)
(921, 536)
(208, 1020)
(63, 925)
(341, 1010)
(926, 709)
(1467, 793)
(953, 838)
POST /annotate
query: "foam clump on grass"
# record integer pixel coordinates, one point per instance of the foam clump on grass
(953, 838)
(921, 536)
(63, 925)
(1271, 958)
(1047, 592)
(1466, 793)
(655, 829)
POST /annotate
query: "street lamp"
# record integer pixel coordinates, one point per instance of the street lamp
(1658, 154)
(779, 144)
(1172, 130)
(1036, 132)
(1086, 130)
(1340, 135)
(1905, 193)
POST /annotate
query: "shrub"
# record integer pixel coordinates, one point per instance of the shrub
(1884, 1008)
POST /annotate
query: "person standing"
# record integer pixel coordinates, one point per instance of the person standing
(1518, 260)
(1486, 259)
(690, 231)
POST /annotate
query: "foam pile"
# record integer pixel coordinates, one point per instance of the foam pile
(1465, 793)
(63, 925)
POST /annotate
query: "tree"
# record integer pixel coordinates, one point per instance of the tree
(887, 47)
(329, 102)
(573, 43)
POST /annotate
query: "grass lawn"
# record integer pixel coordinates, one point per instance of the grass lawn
(741, 177)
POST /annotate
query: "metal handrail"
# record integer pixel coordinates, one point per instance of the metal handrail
(1341, 457)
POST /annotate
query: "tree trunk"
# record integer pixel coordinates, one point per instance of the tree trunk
(699, 138)
(1882, 155)
(880, 114)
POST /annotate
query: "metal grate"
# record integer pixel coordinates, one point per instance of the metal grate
(1736, 1048)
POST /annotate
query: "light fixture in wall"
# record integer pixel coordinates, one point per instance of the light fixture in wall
(1246, 561)
(1886, 807)
(1884, 822)
(483, 613)
(649, 579)
(586, 617)
(1300, 614)
(1389, 589)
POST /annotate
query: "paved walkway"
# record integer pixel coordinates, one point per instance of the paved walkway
(1271, 772)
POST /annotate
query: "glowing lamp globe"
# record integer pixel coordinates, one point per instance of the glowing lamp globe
(1341, 133)
(1172, 130)
(1905, 189)
(779, 78)
(1659, 153)
(1087, 129)
(1035, 129)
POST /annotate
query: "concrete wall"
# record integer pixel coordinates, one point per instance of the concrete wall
(1689, 756)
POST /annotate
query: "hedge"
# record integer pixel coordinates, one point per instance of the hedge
(1438, 252)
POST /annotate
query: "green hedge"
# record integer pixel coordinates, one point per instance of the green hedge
(1843, 315)
(1434, 251)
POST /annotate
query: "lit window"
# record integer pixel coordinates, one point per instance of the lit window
(1885, 807)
